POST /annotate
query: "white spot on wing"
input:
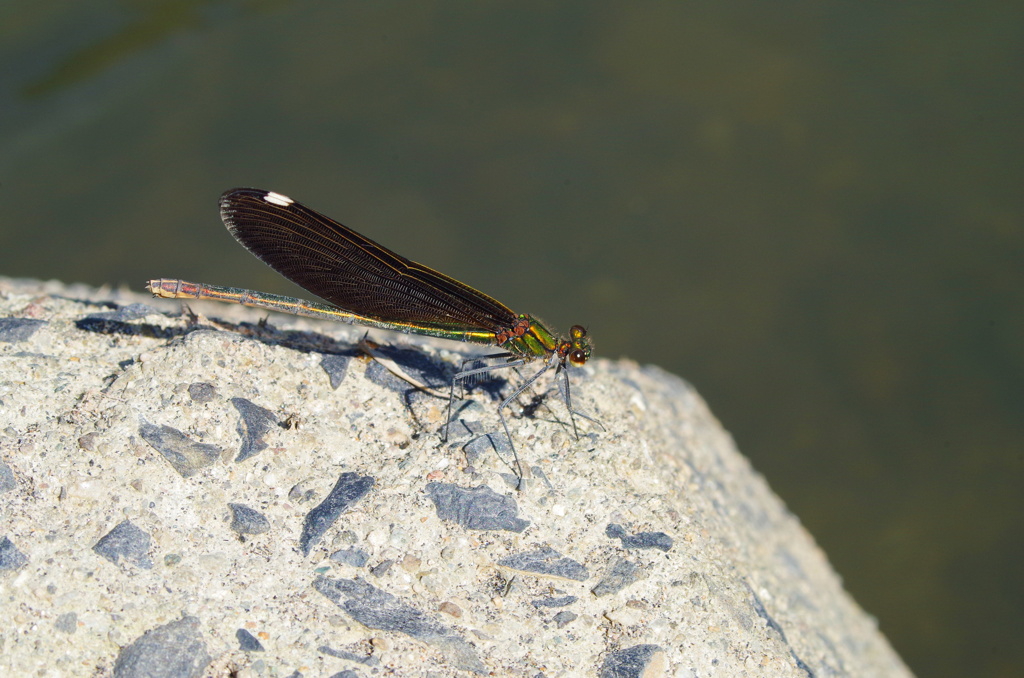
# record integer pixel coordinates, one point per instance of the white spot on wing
(278, 199)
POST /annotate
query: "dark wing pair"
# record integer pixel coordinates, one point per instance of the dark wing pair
(351, 271)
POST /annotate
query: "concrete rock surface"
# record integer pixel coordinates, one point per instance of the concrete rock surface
(214, 495)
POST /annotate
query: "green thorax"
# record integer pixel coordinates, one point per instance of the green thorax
(535, 341)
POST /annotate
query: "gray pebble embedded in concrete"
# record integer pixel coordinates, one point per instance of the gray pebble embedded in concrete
(184, 454)
(125, 541)
(302, 492)
(245, 520)
(546, 561)
(10, 557)
(639, 540)
(564, 617)
(254, 424)
(381, 568)
(66, 623)
(349, 489)
(13, 330)
(347, 673)
(369, 660)
(477, 508)
(378, 609)
(336, 366)
(248, 642)
(201, 392)
(621, 574)
(458, 429)
(639, 661)
(7, 481)
(560, 601)
(174, 650)
(353, 556)
(489, 443)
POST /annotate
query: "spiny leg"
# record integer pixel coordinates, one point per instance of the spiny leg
(463, 373)
(515, 394)
(563, 391)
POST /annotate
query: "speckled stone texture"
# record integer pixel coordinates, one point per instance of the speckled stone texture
(186, 496)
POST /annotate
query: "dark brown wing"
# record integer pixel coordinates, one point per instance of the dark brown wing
(351, 271)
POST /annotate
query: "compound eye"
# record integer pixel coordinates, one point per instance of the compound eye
(578, 358)
(578, 332)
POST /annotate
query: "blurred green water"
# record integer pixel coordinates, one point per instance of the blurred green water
(812, 211)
